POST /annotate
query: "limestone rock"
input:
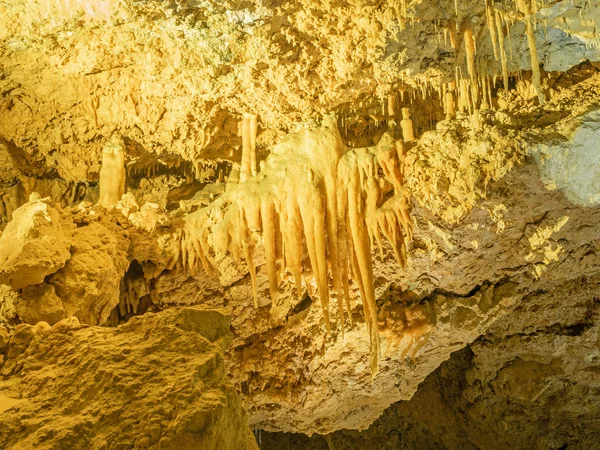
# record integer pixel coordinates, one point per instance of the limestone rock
(573, 164)
(492, 260)
(149, 217)
(35, 244)
(541, 361)
(39, 303)
(89, 284)
(8, 298)
(128, 204)
(4, 337)
(157, 382)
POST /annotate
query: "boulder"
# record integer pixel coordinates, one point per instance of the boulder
(35, 244)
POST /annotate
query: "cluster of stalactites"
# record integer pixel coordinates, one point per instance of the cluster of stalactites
(204, 171)
(319, 208)
(472, 91)
(132, 290)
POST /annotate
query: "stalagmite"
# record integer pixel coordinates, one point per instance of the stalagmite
(390, 105)
(248, 164)
(391, 112)
(112, 173)
(525, 8)
(470, 51)
(407, 126)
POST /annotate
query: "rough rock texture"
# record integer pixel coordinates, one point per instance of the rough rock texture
(134, 67)
(89, 284)
(40, 303)
(572, 164)
(487, 233)
(540, 362)
(502, 179)
(480, 287)
(157, 382)
(64, 267)
(473, 261)
(34, 245)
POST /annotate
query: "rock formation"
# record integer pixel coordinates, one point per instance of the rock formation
(392, 207)
(112, 173)
(156, 382)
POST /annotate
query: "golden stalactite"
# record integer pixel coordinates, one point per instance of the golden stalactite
(471, 69)
(503, 60)
(526, 7)
(249, 129)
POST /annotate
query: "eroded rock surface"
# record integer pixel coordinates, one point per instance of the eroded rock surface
(34, 245)
(157, 382)
(63, 268)
(542, 364)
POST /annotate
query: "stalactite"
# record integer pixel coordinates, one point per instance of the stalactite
(510, 47)
(253, 131)
(491, 23)
(526, 8)
(312, 192)
(471, 70)
(489, 85)
(503, 61)
(132, 290)
(463, 97)
(450, 102)
(248, 165)
(484, 97)
(452, 31)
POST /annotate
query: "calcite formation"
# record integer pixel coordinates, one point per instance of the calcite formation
(314, 192)
(395, 203)
(112, 173)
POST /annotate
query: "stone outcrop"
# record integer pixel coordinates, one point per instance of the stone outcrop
(34, 245)
(157, 382)
(89, 284)
(498, 210)
(63, 268)
(571, 162)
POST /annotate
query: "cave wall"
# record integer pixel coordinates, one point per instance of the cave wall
(496, 205)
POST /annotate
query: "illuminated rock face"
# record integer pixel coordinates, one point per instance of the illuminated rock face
(34, 245)
(156, 382)
(365, 188)
(573, 165)
(64, 269)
